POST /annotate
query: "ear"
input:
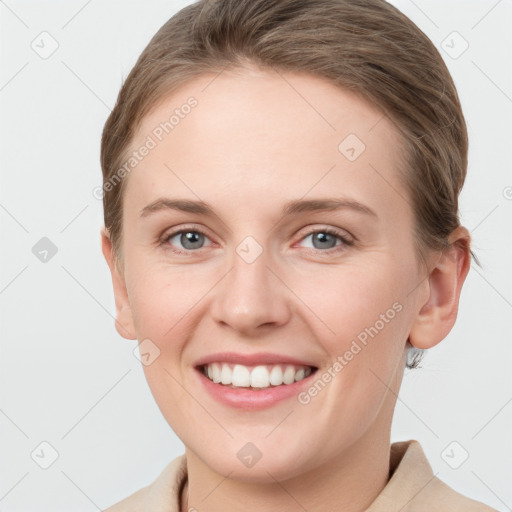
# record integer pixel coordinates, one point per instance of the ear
(124, 319)
(438, 314)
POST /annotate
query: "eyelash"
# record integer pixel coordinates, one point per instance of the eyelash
(327, 230)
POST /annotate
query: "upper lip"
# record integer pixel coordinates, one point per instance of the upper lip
(251, 359)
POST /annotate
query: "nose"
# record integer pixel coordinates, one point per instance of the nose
(251, 297)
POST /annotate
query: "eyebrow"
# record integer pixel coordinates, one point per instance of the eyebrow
(291, 208)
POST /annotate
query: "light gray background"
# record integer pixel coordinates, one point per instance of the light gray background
(67, 378)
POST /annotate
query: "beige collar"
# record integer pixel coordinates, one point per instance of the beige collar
(412, 486)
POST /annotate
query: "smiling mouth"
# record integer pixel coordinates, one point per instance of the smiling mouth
(255, 377)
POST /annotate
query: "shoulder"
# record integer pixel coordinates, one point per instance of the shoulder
(134, 502)
(164, 491)
(413, 487)
(449, 500)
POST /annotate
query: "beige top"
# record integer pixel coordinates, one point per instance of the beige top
(411, 488)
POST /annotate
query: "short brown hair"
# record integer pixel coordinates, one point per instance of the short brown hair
(366, 46)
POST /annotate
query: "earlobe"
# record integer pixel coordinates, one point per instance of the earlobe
(436, 317)
(124, 319)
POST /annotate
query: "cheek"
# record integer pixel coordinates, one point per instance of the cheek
(365, 308)
(162, 297)
(348, 301)
(171, 396)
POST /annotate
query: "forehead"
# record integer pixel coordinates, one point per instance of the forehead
(248, 134)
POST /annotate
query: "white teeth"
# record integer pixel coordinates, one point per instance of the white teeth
(241, 375)
(262, 376)
(226, 374)
(215, 372)
(276, 376)
(289, 375)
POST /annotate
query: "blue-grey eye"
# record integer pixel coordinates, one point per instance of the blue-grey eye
(189, 240)
(323, 240)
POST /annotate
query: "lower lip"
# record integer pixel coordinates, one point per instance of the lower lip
(253, 399)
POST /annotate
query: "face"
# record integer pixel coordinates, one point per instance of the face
(282, 262)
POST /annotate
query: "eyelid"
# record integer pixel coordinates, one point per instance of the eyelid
(172, 232)
(346, 241)
(324, 228)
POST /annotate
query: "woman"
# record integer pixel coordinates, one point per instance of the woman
(281, 182)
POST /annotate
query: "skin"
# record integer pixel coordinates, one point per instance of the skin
(253, 143)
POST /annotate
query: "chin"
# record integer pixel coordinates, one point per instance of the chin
(248, 463)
